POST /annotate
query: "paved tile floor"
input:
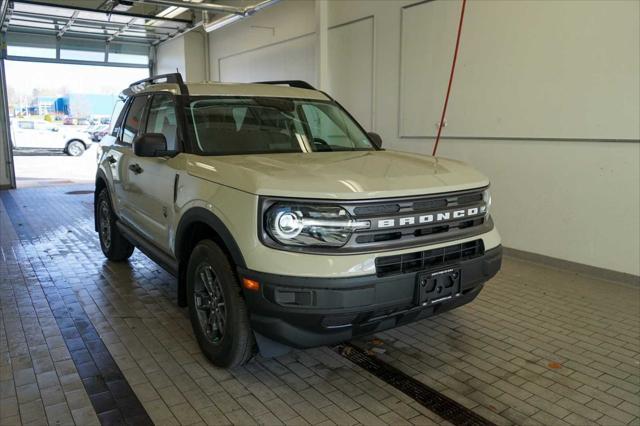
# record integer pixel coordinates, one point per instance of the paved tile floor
(539, 346)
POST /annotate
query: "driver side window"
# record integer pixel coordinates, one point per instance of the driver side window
(162, 119)
(325, 129)
(26, 125)
(133, 122)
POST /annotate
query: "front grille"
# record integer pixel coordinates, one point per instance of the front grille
(418, 220)
(428, 259)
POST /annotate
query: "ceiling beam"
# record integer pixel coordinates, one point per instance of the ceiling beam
(209, 7)
(19, 29)
(45, 19)
(123, 29)
(5, 15)
(76, 62)
(107, 13)
(68, 24)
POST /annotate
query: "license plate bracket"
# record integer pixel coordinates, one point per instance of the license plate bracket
(437, 286)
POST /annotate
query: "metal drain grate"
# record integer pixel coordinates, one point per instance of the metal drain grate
(440, 404)
(79, 192)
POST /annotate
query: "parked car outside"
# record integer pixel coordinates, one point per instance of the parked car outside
(69, 121)
(98, 132)
(40, 134)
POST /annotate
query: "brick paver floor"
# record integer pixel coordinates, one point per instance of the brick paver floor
(539, 345)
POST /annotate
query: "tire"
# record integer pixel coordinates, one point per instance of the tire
(75, 148)
(232, 344)
(113, 244)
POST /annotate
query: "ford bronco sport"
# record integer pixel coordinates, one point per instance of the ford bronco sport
(286, 224)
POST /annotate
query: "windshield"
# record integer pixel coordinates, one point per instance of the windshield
(223, 126)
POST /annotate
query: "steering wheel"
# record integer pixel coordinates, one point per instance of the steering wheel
(321, 145)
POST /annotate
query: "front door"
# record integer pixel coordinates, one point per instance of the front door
(119, 159)
(152, 179)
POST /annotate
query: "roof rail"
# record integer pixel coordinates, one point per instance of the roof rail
(173, 78)
(291, 83)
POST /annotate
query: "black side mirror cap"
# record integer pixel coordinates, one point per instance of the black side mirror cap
(150, 145)
(375, 139)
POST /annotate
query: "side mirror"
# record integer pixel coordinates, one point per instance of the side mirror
(376, 139)
(150, 145)
(54, 129)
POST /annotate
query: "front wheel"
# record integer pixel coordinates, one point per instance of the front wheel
(218, 312)
(75, 148)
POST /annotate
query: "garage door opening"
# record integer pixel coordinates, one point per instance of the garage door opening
(62, 67)
(58, 113)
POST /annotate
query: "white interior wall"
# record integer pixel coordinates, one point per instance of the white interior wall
(195, 55)
(276, 28)
(276, 61)
(171, 57)
(186, 54)
(527, 69)
(577, 200)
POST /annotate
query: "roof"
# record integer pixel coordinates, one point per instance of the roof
(239, 89)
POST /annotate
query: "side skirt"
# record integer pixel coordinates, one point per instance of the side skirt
(165, 260)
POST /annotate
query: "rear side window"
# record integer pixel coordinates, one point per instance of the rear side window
(43, 125)
(117, 117)
(134, 120)
(26, 125)
(162, 119)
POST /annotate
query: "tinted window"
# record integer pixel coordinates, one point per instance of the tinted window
(162, 119)
(25, 125)
(134, 119)
(44, 125)
(117, 117)
(327, 129)
(272, 125)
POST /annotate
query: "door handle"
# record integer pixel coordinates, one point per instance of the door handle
(135, 168)
(111, 160)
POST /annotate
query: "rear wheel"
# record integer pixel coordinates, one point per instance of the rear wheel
(218, 312)
(113, 244)
(75, 148)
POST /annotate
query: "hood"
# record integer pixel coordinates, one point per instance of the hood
(337, 175)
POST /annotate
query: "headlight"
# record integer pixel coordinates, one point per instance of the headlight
(486, 197)
(311, 225)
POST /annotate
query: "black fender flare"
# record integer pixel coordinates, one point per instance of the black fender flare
(202, 215)
(100, 175)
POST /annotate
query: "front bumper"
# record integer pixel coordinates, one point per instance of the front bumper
(306, 312)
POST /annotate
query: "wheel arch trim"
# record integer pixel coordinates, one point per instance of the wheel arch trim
(86, 145)
(202, 215)
(100, 176)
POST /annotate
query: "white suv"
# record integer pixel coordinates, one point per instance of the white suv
(40, 134)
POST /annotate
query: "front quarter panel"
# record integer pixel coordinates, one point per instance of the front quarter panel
(235, 209)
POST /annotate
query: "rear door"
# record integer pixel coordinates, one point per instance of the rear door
(47, 135)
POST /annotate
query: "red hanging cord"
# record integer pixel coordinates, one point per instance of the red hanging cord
(453, 68)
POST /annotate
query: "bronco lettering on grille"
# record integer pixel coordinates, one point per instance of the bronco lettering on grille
(431, 217)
